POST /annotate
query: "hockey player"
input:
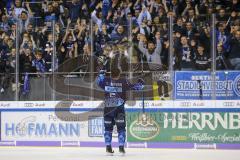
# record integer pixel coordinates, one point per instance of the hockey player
(114, 113)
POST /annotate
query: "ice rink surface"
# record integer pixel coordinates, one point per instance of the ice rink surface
(74, 153)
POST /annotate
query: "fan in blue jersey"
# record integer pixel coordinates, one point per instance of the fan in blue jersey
(114, 113)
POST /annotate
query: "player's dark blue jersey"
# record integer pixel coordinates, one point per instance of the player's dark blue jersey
(115, 90)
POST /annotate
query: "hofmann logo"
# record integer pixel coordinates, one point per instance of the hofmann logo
(144, 128)
(31, 127)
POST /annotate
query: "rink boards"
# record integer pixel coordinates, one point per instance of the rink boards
(165, 124)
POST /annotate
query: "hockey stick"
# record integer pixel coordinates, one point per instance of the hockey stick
(200, 89)
(143, 97)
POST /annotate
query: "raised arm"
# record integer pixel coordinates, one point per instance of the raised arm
(137, 86)
(159, 44)
(67, 31)
(101, 79)
(140, 18)
(165, 6)
(141, 47)
(94, 17)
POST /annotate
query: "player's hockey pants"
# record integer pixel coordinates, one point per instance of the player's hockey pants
(114, 116)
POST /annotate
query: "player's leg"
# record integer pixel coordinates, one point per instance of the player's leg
(108, 129)
(121, 128)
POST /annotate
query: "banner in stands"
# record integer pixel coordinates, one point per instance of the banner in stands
(195, 127)
(198, 85)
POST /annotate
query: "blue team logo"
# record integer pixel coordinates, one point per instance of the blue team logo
(236, 85)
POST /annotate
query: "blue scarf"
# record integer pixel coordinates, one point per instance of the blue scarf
(26, 84)
(39, 65)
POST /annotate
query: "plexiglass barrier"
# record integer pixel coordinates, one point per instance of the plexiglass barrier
(177, 60)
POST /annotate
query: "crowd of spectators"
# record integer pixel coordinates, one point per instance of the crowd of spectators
(111, 33)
